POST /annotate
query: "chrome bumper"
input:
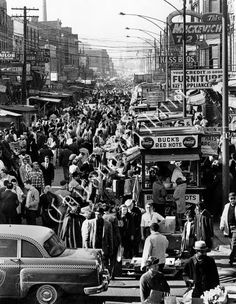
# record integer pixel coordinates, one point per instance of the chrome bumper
(99, 288)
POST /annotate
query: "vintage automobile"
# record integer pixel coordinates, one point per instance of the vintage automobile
(35, 264)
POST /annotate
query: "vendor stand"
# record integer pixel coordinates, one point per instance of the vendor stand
(164, 147)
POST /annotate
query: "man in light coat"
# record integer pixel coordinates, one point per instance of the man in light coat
(155, 245)
(228, 224)
(99, 235)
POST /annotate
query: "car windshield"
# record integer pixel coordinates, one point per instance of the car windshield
(54, 246)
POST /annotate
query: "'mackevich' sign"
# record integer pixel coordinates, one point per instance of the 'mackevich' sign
(197, 28)
(195, 79)
(207, 24)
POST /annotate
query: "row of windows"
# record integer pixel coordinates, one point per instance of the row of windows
(8, 248)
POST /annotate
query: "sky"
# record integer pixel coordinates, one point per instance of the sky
(98, 22)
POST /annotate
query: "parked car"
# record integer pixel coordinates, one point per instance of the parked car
(35, 263)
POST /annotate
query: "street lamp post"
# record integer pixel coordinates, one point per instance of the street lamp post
(154, 38)
(147, 41)
(150, 19)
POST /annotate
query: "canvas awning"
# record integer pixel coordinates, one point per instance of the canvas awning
(46, 99)
(8, 113)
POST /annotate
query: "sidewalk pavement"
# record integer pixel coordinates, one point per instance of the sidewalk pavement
(219, 238)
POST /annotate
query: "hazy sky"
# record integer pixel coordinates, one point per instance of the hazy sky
(98, 21)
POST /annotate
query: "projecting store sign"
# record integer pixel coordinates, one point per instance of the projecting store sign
(4, 55)
(210, 24)
(195, 79)
(169, 142)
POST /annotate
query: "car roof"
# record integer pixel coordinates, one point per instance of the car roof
(38, 233)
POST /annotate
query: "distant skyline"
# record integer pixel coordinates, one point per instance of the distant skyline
(98, 21)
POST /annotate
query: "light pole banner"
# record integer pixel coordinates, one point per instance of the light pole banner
(195, 79)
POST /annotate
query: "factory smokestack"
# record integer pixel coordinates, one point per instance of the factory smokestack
(44, 10)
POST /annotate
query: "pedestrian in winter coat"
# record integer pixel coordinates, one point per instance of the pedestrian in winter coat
(204, 225)
(179, 198)
(127, 230)
(188, 234)
(136, 215)
(159, 195)
(153, 285)
(9, 204)
(200, 271)
(99, 235)
(48, 171)
(64, 161)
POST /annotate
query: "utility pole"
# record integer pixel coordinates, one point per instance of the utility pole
(184, 59)
(155, 59)
(225, 105)
(23, 77)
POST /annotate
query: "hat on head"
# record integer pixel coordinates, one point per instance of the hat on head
(72, 156)
(232, 194)
(63, 182)
(200, 246)
(84, 150)
(128, 202)
(86, 209)
(152, 261)
(99, 210)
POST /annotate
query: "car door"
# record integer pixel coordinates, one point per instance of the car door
(9, 268)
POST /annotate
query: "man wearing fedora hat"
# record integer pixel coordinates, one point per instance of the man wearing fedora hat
(200, 271)
(153, 284)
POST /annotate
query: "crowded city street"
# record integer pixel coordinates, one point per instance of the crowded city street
(117, 156)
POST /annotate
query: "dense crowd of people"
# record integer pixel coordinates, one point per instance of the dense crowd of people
(96, 205)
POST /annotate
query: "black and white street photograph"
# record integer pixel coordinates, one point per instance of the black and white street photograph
(117, 152)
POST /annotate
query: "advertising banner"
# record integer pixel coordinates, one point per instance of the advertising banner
(170, 142)
(209, 145)
(195, 79)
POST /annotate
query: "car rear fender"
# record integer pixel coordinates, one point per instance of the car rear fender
(68, 280)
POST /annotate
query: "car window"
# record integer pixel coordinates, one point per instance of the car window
(54, 246)
(29, 250)
(8, 248)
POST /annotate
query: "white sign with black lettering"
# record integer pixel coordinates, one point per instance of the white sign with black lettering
(192, 198)
(195, 79)
(169, 142)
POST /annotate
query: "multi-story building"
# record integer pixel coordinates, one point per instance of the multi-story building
(99, 61)
(210, 46)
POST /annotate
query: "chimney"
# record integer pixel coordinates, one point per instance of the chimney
(44, 10)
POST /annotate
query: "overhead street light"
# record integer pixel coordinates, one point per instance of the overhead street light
(142, 38)
(150, 19)
(148, 33)
(146, 18)
(147, 41)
